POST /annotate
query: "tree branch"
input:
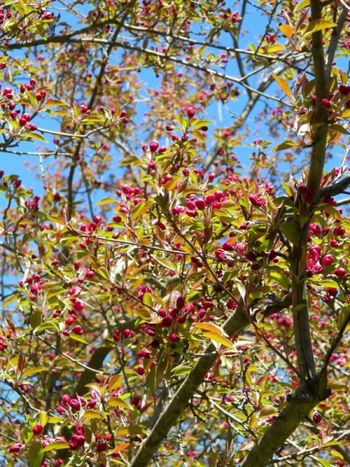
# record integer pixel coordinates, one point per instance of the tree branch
(334, 41)
(73, 166)
(301, 324)
(234, 325)
(335, 189)
(320, 117)
(94, 365)
(253, 100)
(284, 425)
(335, 344)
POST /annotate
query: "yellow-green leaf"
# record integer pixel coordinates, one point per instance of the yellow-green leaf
(141, 209)
(54, 419)
(339, 129)
(43, 418)
(118, 402)
(268, 410)
(287, 145)
(35, 136)
(55, 446)
(34, 371)
(302, 5)
(55, 103)
(275, 48)
(218, 338)
(241, 289)
(210, 327)
(131, 430)
(104, 201)
(77, 338)
(115, 382)
(318, 25)
(10, 299)
(92, 414)
(166, 263)
(336, 384)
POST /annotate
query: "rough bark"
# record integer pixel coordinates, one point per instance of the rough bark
(283, 426)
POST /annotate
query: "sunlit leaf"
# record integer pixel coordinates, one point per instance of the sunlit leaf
(286, 30)
(91, 415)
(219, 339)
(33, 371)
(121, 447)
(211, 327)
(55, 446)
(268, 410)
(319, 25)
(283, 84)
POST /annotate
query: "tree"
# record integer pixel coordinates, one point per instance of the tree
(175, 282)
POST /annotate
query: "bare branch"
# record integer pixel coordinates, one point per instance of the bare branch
(336, 189)
(334, 40)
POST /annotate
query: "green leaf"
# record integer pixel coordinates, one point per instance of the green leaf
(268, 410)
(181, 121)
(115, 382)
(141, 209)
(43, 418)
(291, 232)
(181, 370)
(77, 338)
(318, 25)
(147, 299)
(199, 123)
(35, 319)
(241, 289)
(55, 446)
(55, 103)
(104, 201)
(287, 145)
(166, 263)
(281, 278)
(52, 419)
(302, 5)
(35, 136)
(34, 454)
(10, 299)
(323, 462)
(132, 430)
(343, 316)
(328, 283)
(339, 129)
(118, 402)
(130, 159)
(275, 48)
(211, 327)
(47, 326)
(91, 415)
(219, 339)
(56, 220)
(34, 371)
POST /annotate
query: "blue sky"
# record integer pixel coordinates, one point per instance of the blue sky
(219, 114)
